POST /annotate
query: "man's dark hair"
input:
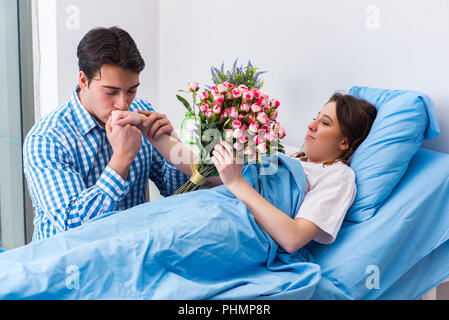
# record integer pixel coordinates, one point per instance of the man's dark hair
(112, 46)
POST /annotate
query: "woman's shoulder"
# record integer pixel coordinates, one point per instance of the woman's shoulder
(342, 171)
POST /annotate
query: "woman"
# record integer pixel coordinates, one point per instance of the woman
(340, 127)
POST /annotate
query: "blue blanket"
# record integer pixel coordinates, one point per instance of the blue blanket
(201, 245)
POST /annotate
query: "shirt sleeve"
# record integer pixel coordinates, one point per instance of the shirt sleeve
(326, 205)
(165, 176)
(58, 190)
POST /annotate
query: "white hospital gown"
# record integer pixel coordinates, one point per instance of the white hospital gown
(329, 194)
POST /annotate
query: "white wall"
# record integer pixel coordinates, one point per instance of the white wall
(63, 23)
(309, 48)
(45, 56)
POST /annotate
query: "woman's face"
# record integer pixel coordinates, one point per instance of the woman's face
(324, 140)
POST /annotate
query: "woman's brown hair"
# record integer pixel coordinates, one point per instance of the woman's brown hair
(355, 117)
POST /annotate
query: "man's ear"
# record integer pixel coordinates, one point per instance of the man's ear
(83, 81)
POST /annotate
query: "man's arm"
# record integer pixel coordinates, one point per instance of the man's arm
(160, 133)
(57, 187)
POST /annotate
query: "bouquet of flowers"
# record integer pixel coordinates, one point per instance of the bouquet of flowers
(233, 109)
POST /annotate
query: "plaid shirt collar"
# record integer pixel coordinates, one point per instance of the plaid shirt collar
(83, 119)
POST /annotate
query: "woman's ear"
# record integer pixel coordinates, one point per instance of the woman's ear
(344, 145)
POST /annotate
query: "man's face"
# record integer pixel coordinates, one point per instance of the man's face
(112, 88)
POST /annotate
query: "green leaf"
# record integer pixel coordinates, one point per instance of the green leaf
(185, 103)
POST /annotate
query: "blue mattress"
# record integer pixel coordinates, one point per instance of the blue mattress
(407, 240)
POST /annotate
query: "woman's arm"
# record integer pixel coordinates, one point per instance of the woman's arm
(156, 130)
(180, 155)
(291, 234)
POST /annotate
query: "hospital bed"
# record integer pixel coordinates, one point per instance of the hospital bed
(394, 242)
(402, 251)
(406, 244)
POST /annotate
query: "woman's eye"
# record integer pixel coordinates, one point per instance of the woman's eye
(325, 123)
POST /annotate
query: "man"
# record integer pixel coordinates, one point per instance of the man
(76, 164)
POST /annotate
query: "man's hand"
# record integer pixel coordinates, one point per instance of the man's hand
(125, 142)
(157, 124)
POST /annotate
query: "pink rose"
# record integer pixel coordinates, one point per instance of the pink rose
(274, 103)
(243, 88)
(229, 133)
(236, 93)
(193, 86)
(245, 107)
(216, 108)
(262, 148)
(228, 85)
(222, 88)
(256, 93)
(261, 102)
(241, 116)
(249, 151)
(237, 133)
(248, 96)
(274, 115)
(253, 128)
(282, 133)
(259, 139)
(209, 113)
(219, 98)
(244, 127)
(224, 114)
(236, 124)
(243, 139)
(204, 95)
(270, 136)
(238, 146)
(255, 108)
(233, 113)
(263, 118)
(204, 107)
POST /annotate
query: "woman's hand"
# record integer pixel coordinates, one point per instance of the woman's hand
(156, 125)
(228, 167)
(123, 118)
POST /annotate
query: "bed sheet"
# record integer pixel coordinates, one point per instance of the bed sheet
(163, 250)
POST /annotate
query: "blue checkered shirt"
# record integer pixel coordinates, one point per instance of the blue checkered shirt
(66, 157)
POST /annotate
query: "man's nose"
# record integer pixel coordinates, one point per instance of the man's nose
(122, 103)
